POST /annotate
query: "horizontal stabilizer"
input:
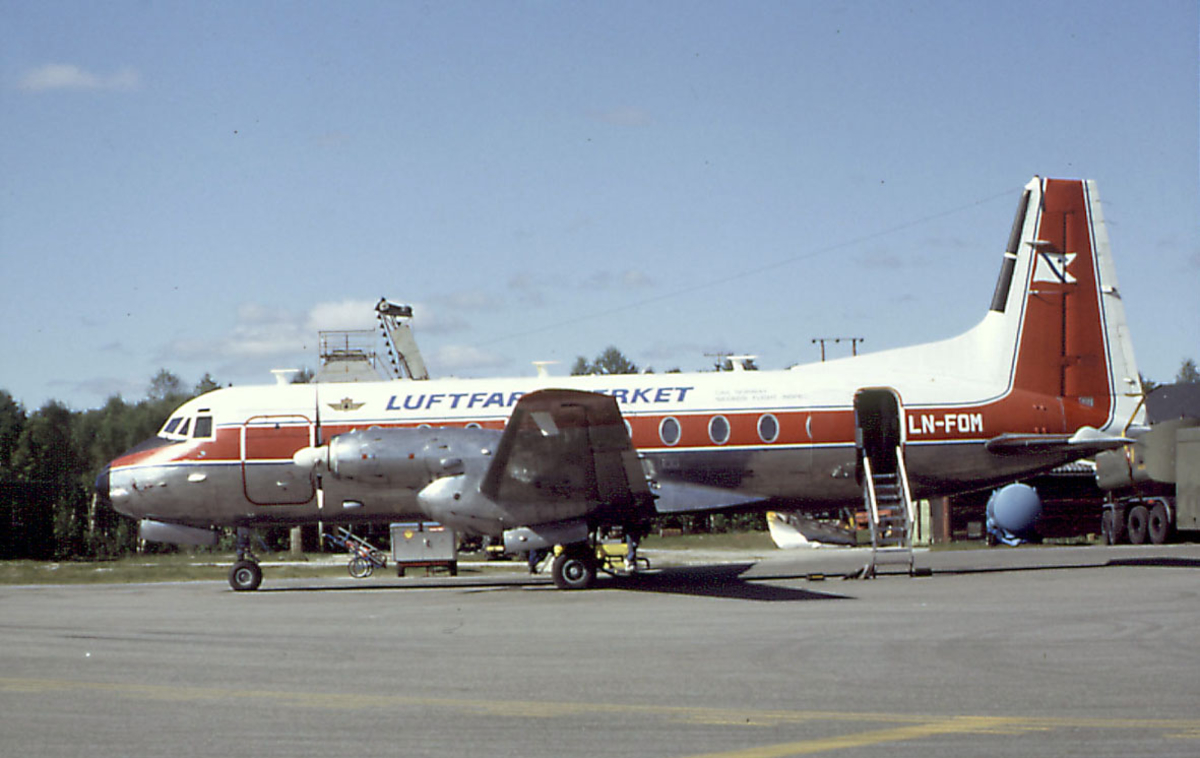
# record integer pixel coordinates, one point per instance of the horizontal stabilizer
(1087, 441)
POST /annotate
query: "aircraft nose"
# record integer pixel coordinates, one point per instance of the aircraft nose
(102, 485)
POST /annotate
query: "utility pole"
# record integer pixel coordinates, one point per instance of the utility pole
(852, 340)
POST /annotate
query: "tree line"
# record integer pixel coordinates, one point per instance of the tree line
(49, 460)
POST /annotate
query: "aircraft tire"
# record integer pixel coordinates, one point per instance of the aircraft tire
(245, 576)
(573, 571)
(1139, 519)
(1158, 526)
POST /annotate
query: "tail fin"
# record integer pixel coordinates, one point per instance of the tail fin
(1058, 280)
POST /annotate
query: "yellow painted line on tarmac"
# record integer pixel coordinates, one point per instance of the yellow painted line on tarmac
(902, 726)
(955, 725)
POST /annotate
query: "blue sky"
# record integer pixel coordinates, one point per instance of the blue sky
(203, 186)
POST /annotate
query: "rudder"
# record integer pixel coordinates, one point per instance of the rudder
(1073, 341)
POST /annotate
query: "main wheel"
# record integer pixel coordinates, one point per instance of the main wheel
(245, 576)
(360, 567)
(1159, 525)
(574, 570)
(1139, 519)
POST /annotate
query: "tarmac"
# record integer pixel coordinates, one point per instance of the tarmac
(1031, 651)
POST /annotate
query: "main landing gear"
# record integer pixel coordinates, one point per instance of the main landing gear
(246, 574)
(575, 567)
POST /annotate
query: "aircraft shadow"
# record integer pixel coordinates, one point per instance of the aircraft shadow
(1165, 561)
(724, 581)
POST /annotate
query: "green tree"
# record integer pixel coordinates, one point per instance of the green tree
(206, 384)
(53, 513)
(165, 385)
(1188, 372)
(610, 361)
(12, 492)
(12, 421)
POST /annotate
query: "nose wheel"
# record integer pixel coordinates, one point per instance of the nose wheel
(246, 574)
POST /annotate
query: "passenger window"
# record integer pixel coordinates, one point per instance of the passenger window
(768, 428)
(718, 430)
(204, 427)
(668, 431)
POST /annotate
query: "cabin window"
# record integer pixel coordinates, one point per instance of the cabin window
(718, 430)
(204, 427)
(768, 428)
(668, 430)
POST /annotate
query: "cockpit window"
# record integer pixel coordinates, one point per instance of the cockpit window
(203, 427)
(172, 424)
(184, 429)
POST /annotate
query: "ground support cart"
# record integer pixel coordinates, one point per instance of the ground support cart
(424, 544)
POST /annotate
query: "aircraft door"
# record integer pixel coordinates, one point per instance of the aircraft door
(878, 429)
(268, 442)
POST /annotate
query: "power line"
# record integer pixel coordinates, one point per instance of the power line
(753, 271)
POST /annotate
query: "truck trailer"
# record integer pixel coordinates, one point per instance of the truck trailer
(1152, 487)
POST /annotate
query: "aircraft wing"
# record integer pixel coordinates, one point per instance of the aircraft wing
(566, 445)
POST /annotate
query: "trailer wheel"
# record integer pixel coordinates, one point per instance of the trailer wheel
(1106, 528)
(1159, 524)
(1139, 519)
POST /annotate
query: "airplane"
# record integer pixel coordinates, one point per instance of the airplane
(1048, 376)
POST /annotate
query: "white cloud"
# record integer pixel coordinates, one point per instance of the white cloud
(59, 76)
(345, 314)
(428, 319)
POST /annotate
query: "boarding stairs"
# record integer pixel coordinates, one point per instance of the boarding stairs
(890, 515)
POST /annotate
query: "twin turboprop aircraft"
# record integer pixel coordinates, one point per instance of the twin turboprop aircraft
(1046, 377)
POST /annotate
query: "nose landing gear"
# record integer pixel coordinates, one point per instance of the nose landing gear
(246, 574)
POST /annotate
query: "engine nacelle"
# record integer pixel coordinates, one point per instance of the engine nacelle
(407, 458)
(176, 534)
